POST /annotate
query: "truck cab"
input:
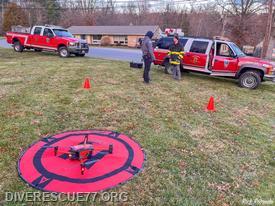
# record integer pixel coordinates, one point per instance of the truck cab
(49, 38)
(216, 57)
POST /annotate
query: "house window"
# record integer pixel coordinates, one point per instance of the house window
(97, 37)
(83, 36)
(121, 40)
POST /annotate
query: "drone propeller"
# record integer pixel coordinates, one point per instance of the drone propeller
(64, 147)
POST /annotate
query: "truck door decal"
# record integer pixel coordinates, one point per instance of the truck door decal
(196, 59)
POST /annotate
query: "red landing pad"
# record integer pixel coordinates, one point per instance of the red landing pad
(56, 171)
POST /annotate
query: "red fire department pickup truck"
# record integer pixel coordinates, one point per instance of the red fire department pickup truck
(49, 38)
(217, 58)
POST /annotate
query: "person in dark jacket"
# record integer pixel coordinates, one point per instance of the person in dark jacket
(176, 55)
(148, 55)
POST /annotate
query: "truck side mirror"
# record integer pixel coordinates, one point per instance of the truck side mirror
(234, 56)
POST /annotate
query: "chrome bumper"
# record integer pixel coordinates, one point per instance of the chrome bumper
(78, 50)
(270, 77)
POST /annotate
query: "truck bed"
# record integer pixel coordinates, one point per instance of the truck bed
(21, 36)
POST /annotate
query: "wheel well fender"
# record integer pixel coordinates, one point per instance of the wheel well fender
(246, 68)
(61, 45)
(15, 40)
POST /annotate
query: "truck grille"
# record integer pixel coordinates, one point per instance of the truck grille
(84, 45)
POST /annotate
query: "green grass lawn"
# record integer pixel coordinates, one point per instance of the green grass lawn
(193, 157)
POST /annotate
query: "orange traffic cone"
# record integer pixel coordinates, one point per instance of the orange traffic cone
(211, 105)
(87, 84)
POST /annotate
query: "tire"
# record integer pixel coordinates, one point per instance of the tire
(167, 68)
(250, 80)
(63, 52)
(80, 55)
(18, 47)
(38, 50)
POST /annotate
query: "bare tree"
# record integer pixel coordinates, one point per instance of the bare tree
(106, 13)
(87, 8)
(14, 15)
(237, 14)
(241, 20)
(168, 16)
(268, 29)
(3, 4)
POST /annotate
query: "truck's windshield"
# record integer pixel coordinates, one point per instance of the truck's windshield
(62, 33)
(237, 50)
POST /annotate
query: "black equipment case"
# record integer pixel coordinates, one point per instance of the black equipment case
(136, 65)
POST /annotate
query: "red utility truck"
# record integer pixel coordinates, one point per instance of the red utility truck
(217, 58)
(49, 38)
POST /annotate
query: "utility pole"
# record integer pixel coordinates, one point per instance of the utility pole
(146, 5)
(2, 15)
(268, 29)
(224, 22)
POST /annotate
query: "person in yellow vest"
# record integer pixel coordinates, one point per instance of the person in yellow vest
(176, 55)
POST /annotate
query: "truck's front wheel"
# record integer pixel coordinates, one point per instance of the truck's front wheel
(63, 52)
(18, 47)
(250, 80)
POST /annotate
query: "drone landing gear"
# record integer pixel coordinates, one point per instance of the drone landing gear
(82, 166)
(55, 150)
(110, 149)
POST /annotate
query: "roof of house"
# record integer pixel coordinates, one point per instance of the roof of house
(112, 30)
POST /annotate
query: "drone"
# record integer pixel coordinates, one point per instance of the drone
(82, 152)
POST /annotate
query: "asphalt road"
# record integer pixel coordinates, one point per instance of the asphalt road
(123, 54)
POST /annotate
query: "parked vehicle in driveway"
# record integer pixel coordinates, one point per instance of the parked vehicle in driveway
(49, 38)
(217, 57)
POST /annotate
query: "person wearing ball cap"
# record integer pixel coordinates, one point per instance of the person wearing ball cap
(148, 55)
(176, 55)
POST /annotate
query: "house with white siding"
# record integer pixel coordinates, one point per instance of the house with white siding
(119, 35)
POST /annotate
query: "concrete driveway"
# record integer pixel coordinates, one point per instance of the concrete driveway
(4, 44)
(123, 54)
